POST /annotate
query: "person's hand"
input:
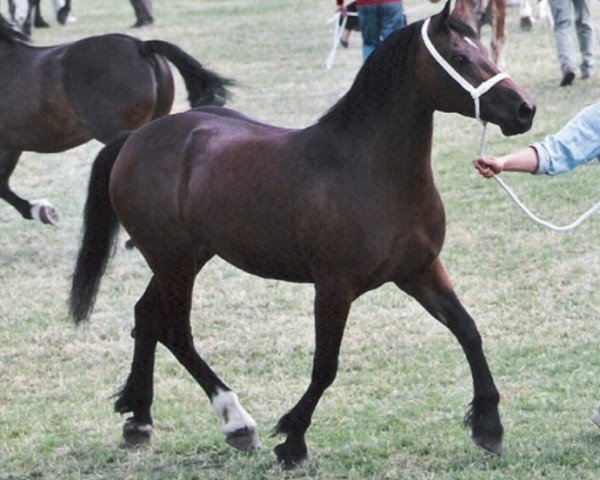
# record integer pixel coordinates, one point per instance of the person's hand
(342, 10)
(488, 166)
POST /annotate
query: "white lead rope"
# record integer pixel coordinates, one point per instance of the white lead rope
(338, 31)
(529, 213)
(475, 94)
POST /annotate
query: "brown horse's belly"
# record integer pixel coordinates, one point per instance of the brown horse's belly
(46, 139)
(267, 265)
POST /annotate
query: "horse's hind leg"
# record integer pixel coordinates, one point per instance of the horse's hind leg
(39, 210)
(332, 305)
(175, 333)
(136, 395)
(163, 314)
(433, 290)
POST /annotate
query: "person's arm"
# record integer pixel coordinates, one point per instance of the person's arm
(525, 160)
(576, 143)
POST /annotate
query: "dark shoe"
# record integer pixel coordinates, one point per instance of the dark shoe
(62, 15)
(344, 44)
(142, 23)
(568, 77)
(40, 23)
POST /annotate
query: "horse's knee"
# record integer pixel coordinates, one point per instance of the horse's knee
(324, 377)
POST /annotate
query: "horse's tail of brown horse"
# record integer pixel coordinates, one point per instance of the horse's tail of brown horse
(204, 86)
(99, 232)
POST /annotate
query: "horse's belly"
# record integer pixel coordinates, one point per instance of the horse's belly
(268, 263)
(44, 137)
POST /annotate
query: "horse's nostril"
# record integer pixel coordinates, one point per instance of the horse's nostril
(526, 112)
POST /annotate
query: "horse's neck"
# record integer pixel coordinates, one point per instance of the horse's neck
(394, 139)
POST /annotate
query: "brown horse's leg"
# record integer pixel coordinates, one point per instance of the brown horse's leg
(332, 305)
(136, 395)
(433, 290)
(164, 315)
(8, 162)
(498, 13)
(39, 210)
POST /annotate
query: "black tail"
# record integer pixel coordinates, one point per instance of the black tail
(100, 228)
(204, 86)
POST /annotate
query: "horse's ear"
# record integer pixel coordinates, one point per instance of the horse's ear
(438, 21)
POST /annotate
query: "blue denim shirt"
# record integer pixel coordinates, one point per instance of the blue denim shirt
(578, 142)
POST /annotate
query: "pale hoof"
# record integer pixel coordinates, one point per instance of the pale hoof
(244, 439)
(42, 211)
(136, 433)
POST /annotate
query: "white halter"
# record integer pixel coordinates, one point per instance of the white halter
(474, 92)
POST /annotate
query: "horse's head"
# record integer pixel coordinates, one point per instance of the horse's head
(454, 74)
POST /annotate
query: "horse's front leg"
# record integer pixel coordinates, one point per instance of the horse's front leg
(433, 290)
(39, 210)
(332, 305)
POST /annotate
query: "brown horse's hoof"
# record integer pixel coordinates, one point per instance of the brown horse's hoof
(493, 447)
(244, 439)
(136, 433)
(42, 211)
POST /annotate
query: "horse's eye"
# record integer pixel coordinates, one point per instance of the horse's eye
(459, 59)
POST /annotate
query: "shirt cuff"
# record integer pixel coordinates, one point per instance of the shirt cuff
(542, 158)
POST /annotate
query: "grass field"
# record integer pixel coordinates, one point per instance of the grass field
(395, 409)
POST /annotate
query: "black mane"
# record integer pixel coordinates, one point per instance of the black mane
(380, 75)
(384, 71)
(9, 35)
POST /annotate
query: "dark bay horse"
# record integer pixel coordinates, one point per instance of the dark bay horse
(346, 204)
(58, 97)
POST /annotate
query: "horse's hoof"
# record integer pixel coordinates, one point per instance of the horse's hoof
(290, 457)
(493, 447)
(42, 211)
(244, 439)
(136, 433)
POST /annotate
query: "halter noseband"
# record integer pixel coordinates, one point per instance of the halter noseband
(475, 92)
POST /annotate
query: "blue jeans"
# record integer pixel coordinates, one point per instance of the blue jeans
(562, 12)
(377, 22)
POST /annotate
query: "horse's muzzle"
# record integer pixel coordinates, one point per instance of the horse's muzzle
(522, 120)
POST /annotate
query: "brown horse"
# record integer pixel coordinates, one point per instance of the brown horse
(346, 204)
(478, 13)
(55, 98)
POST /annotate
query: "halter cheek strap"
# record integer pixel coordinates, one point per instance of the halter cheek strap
(449, 69)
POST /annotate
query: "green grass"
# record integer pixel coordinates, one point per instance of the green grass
(395, 409)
